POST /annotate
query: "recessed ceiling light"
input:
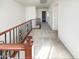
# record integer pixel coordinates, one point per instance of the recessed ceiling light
(43, 1)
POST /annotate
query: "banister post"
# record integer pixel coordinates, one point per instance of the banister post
(28, 49)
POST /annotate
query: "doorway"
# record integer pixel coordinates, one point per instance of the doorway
(43, 16)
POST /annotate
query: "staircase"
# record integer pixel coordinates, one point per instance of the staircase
(16, 39)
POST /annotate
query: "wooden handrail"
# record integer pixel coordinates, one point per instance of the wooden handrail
(13, 27)
(27, 47)
(21, 46)
(10, 46)
(14, 47)
(15, 52)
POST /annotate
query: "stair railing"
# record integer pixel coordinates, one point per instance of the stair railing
(27, 47)
(14, 37)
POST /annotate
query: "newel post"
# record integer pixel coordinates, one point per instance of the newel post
(28, 49)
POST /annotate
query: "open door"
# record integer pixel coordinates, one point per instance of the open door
(43, 16)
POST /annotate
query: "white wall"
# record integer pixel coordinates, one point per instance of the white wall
(11, 14)
(53, 15)
(31, 14)
(50, 16)
(69, 25)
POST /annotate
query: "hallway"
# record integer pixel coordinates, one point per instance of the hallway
(18, 18)
(46, 44)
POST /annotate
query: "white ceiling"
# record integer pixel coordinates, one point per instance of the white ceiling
(34, 3)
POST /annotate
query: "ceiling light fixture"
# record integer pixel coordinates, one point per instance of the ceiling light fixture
(43, 1)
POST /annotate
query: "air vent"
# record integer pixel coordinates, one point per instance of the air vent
(43, 1)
